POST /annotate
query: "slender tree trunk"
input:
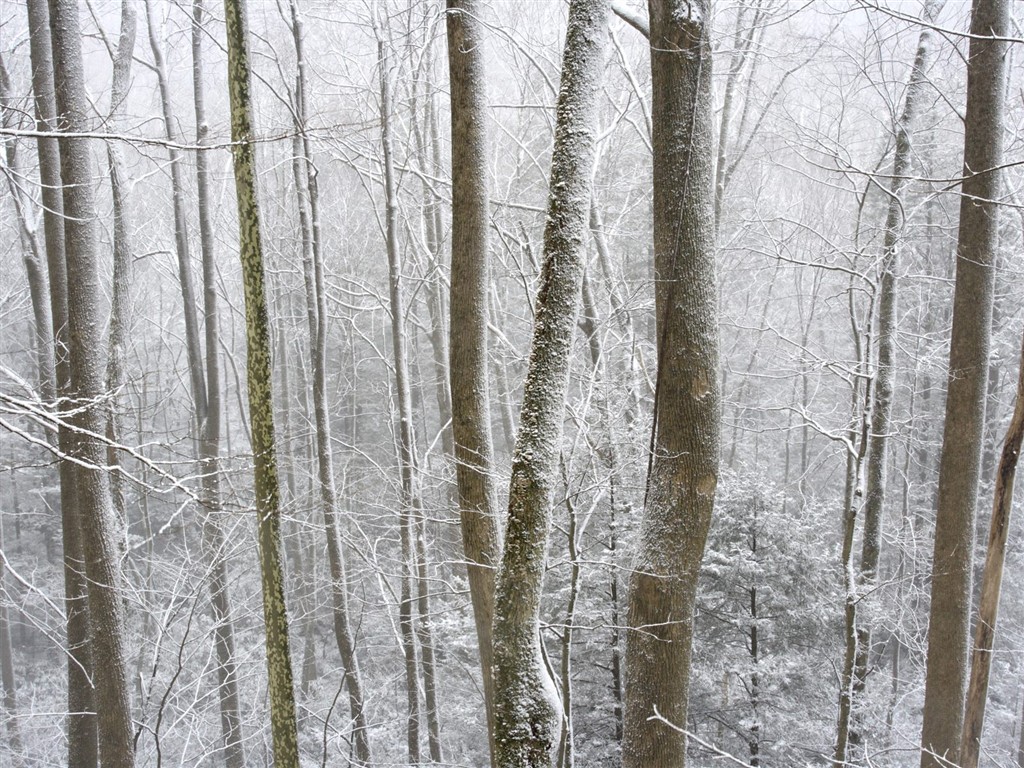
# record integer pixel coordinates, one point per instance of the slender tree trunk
(526, 709)
(685, 436)
(405, 420)
(470, 277)
(949, 621)
(261, 406)
(120, 305)
(988, 604)
(316, 312)
(87, 386)
(8, 687)
(209, 425)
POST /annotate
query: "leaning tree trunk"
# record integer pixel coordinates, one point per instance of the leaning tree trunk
(949, 621)
(316, 311)
(988, 603)
(261, 405)
(470, 395)
(209, 425)
(526, 708)
(87, 386)
(683, 470)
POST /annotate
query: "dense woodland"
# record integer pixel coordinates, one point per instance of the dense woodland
(511, 382)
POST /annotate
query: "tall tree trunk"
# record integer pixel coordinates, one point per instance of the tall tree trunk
(949, 621)
(120, 304)
(261, 405)
(316, 311)
(988, 603)
(405, 419)
(87, 386)
(885, 373)
(209, 424)
(81, 719)
(685, 436)
(470, 277)
(8, 687)
(526, 709)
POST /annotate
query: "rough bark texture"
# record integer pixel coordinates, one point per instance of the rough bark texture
(949, 620)
(87, 386)
(526, 706)
(991, 581)
(316, 313)
(685, 437)
(261, 407)
(81, 722)
(209, 424)
(470, 395)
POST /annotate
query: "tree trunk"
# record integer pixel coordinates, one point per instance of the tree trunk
(261, 406)
(949, 621)
(81, 720)
(526, 709)
(121, 288)
(988, 603)
(685, 436)
(470, 277)
(209, 424)
(316, 312)
(87, 387)
(8, 687)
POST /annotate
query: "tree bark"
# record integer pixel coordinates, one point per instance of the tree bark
(526, 707)
(87, 386)
(949, 621)
(991, 581)
(81, 720)
(261, 406)
(685, 436)
(468, 341)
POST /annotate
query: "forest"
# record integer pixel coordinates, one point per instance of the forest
(511, 383)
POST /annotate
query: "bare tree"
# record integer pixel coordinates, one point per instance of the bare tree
(526, 708)
(683, 470)
(261, 405)
(959, 463)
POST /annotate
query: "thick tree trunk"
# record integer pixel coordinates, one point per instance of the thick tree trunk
(87, 386)
(687, 412)
(209, 424)
(949, 621)
(261, 406)
(526, 708)
(988, 603)
(316, 313)
(81, 720)
(470, 277)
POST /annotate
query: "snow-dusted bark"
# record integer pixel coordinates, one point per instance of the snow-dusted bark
(470, 393)
(970, 340)
(687, 411)
(258, 377)
(87, 386)
(526, 706)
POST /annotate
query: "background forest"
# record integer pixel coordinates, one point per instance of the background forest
(809, 108)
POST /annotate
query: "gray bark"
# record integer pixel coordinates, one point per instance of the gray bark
(87, 386)
(470, 277)
(685, 436)
(959, 463)
(526, 707)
